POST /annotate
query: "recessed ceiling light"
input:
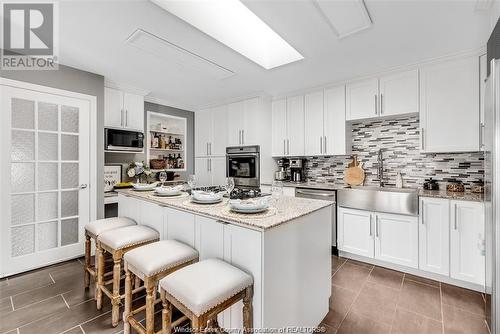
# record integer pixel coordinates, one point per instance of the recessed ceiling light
(233, 24)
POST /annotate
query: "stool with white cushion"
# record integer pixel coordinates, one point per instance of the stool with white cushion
(203, 290)
(150, 263)
(117, 243)
(92, 231)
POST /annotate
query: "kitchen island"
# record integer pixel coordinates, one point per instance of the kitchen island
(287, 250)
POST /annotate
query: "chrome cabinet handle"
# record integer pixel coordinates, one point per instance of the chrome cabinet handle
(376, 111)
(481, 134)
(324, 146)
(126, 117)
(243, 137)
(455, 218)
(422, 146)
(320, 144)
(381, 104)
(207, 148)
(288, 146)
(422, 211)
(208, 168)
(313, 194)
(284, 146)
(121, 117)
(371, 218)
(376, 226)
(210, 148)
(83, 186)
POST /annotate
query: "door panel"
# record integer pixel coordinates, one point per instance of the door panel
(209, 238)
(336, 130)
(295, 125)
(362, 99)
(202, 172)
(396, 239)
(399, 93)
(180, 226)
(134, 111)
(220, 131)
(434, 235)
(355, 232)
(113, 108)
(46, 155)
(279, 127)
(203, 132)
(254, 118)
(235, 116)
(218, 171)
(313, 121)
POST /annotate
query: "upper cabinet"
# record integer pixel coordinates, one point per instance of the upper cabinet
(449, 106)
(326, 132)
(245, 122)
(211, 131)
(394, 94)
(279, 135)
(123, 110)
(288, 126)
(482, 87)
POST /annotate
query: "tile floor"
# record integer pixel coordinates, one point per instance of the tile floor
(366, 299)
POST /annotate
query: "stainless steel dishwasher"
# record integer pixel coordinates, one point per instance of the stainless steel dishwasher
(325, 195)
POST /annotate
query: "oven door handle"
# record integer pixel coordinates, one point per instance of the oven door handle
(242, 155)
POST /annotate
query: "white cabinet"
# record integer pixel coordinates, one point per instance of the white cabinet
(396, 239)
(129, 207)
(355, 232)
(278, 109)
(209, 238)
(337, 133)
(210, 171)
(483, 63)
(211, 132)
(295, 125)
(313, 121)
(399, 93)
(246, 122)
(467, 241)
(152, 216)
(362, 99)
(123, 110)
(393, 94)
(434, 235)
(449, 106)
(235, 116)
(180, 226)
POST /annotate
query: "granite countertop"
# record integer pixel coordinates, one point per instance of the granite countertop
(285, 210)
(465, 196)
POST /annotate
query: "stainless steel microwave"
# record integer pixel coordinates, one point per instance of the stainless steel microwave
(123, 140)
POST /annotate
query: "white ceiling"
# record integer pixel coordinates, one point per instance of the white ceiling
(93, 34)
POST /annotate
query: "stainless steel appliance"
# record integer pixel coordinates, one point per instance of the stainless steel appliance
(123, 140)
(282, 173)
(296, 170)
(243, 165)
(326, 195)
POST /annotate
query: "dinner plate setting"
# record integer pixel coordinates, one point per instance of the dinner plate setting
(249, 206)
(204, 197)
(144, 186)
(169, 191)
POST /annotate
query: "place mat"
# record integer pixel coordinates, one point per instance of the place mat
(230, 213)
(182, 195)
(197, 205)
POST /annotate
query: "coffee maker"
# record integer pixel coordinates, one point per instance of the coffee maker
(297, 170)
(282, 173)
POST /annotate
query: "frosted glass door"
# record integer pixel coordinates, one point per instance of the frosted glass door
(45, 168)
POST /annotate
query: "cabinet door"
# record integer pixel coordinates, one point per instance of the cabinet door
(217, 168)
(219, 137)
(278, 108)
(399, 93)
(152, 216)
(235, 116)
(243, 249)
(434, 235)
(129, 207)
(295, 125)
(202, 172)
(113, 108)
(180, 226)
(313, 121)
(467, 242)
(396, 239)
(203, 132)
(133, 106)
(209, 238)
(355, 232)
(256, 122)
(449, 106)
(362, 99)
(337, 133)
(482, 88)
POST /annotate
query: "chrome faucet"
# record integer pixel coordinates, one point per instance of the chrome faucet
(380, 169)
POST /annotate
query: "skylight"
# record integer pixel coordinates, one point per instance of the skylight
(233, 24)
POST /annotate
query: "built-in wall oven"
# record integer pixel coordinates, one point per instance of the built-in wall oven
(243, 165)
(123, 140)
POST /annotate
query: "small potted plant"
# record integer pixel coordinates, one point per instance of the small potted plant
(139, 170)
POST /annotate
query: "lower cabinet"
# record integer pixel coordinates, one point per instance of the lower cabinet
(467, 241)
(386, 237)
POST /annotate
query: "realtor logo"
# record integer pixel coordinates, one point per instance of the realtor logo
(29, 36)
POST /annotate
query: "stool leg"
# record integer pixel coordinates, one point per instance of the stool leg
(86, 274)
(150, 306)
(166, 315)
(128, 302)
(115, 308)
(137, 283)
(100, 276)
(248, 310)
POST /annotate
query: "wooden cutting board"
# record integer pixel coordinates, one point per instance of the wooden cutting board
(354, 175)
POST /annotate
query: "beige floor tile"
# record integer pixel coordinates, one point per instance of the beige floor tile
(458, 321)
(468, 300)
(355, 323)
(377, 302)
(359, 263)
(421, 280)
(351, 276)
(337, 262)
(340, 303)
(390, 278)
(406, 322)
(421, 298)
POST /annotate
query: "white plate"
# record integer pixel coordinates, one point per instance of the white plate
(168, 194)
(202, 196)
(250, 204)
(249, 211)
(212, 201)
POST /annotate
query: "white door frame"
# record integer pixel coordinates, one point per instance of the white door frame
(92, 100)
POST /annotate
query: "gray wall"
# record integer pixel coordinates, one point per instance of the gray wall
(125, 158)
(75, 80)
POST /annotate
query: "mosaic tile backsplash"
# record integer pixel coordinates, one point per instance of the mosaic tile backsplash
(399, 141)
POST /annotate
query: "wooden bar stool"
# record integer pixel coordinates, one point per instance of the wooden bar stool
(203, 290)
(92, 231)
(118, 242)
(150, 263)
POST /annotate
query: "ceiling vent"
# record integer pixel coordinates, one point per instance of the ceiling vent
(176, 55)
(345, 17)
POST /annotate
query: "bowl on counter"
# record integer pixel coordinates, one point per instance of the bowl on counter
(169, 191)
(254, 205)
(205, 197)
(144, 186)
